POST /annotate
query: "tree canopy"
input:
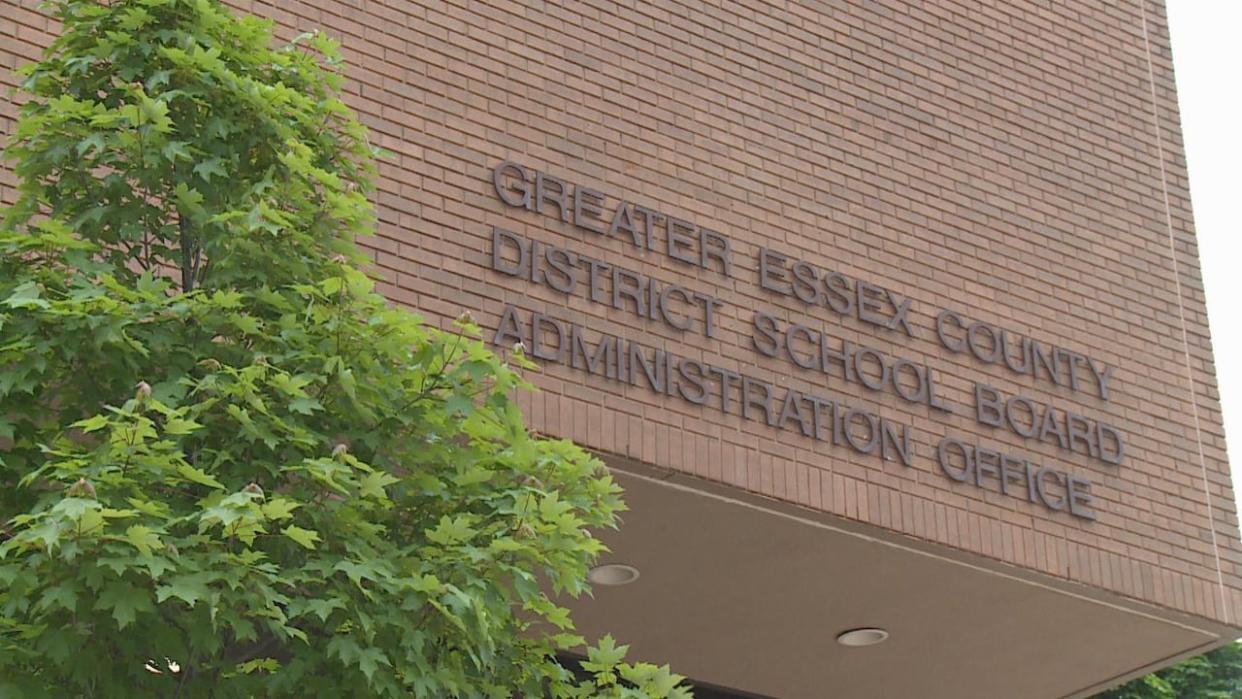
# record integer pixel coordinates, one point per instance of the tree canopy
(227, 466)
(1213, 675)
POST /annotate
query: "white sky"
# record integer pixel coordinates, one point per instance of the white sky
(1207, 62)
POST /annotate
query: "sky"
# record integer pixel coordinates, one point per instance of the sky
(1207, 58)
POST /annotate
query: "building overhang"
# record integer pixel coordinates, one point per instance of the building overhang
(749, 593)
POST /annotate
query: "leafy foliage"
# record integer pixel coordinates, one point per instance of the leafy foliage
(1214, 675)
(227, 466)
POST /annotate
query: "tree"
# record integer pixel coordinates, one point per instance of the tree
(227, 466)
(1213, 675)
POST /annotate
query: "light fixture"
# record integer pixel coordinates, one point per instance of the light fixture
(857, 638)
(613, 574)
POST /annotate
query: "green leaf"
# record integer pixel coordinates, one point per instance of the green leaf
(258, 665)
(62, 596)
(372, 485)
(357, 571)
(188, 199)
(567, 641)
(350, 652)
(143, 538)
(473, 475)
(210, 168)
(148, 507)
(605, 655)
(126, 602)
(176, 151)
(94, 143)
(75, 509)
(304, 406)
(451, 530)
(198, 476)
(187, 588)
(279, 508)
(26, 295)
(323, 608)
(348, 382)
(304, 537)
(559, 617)
(369, 660)
(178, 426)
(92, 424)
(458, 404)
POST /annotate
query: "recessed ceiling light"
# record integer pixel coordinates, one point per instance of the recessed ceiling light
(857, 638)
(613, 574)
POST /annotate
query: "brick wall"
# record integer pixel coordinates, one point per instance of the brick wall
(997, 158)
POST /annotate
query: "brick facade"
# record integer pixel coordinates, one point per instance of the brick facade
(1000, 159)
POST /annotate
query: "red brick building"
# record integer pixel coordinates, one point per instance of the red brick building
(886, 315)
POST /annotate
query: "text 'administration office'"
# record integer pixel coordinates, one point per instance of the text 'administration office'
(887, 315)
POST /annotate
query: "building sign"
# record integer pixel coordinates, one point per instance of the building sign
(797, 346)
